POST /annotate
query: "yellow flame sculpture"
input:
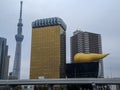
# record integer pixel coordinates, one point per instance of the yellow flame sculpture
(84, 58)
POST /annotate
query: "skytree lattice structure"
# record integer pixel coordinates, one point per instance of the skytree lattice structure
(19, 38)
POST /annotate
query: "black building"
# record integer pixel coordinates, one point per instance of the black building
(82, 70)
(4, 59)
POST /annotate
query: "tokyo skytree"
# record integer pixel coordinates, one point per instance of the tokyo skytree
(19, 38)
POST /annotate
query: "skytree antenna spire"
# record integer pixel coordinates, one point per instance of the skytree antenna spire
(19, 38)
(21, 9)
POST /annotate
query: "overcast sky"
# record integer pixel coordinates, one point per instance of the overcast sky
(97, 16)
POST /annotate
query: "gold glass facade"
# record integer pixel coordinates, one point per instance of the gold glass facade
(48, 52)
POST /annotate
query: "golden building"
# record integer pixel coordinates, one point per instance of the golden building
(48, 50)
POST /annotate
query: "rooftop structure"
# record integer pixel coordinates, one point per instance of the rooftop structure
(49, 22)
